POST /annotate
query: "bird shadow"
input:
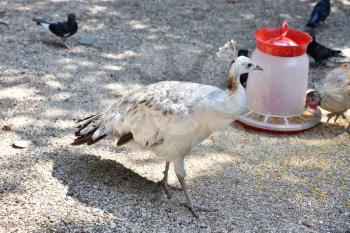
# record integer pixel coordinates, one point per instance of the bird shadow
(54, 44)
(105, 184)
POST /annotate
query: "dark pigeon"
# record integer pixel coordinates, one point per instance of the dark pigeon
(61, 29)
(319, 13)
(320, 52)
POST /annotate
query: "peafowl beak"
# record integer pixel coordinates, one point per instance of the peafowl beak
(258, 68)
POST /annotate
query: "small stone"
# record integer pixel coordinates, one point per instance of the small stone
(168, 210)
(19, 199)
(21, 144)
(87, 40)
(113, 225)
(6, 127)
(307, 223)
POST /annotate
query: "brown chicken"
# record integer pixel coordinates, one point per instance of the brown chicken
(334, 96)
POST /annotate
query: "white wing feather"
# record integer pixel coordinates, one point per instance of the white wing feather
(45, 25)
(160, 111)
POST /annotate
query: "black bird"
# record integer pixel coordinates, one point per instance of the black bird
(320, 52)
(244, 77)
(60, 29)
(319, 13)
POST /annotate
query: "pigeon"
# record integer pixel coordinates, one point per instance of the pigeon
(320, 52)
(319, 13)
(169, 118)
(60, 29)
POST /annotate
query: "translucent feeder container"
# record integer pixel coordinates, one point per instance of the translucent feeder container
(276, 96)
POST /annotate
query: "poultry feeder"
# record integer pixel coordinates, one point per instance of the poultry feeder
(276, 96)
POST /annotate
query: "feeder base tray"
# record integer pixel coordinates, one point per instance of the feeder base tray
(279, 124)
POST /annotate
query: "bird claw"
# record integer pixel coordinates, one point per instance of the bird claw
(66, 45)
(330, 116)
(164, 186)
(194, 209)
(337, 115)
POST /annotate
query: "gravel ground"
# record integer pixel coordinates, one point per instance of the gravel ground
(258, 182)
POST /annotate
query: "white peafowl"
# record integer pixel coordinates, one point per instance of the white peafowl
(171, 117)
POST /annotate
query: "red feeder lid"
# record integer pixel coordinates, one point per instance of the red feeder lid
(282, 42)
